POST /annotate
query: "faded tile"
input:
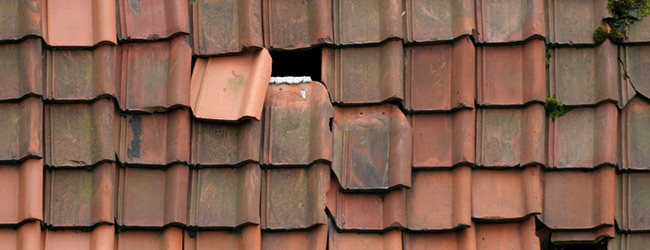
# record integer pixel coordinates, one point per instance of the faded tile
(20, 67)
(515, 235)
(574, 21)
(438, 20)
(517, 193)
(101, 237)
(218, 143)
(639, 32)
(168, 239)
(23, 123)
(230, 87)
(443, 139)
(367, 21)
(633, 201)
(463, 239)
(22, 195)
(314, 238)
(150, 20)
(79, 22)
(26, 237)
(636, 59)
(297, 24)
(635, 146)
(247, 238)
(19, 19)
(389, 240)
(362, 75)
(625, 241)
(500, 21)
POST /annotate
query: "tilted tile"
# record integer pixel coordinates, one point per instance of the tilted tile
(367, 21)
(438, 20)
(296, 124)
(506, 194)
(79, 197)
(159, 138)
(20, 18)
(230, 87)
(364, 75)
(584, 138)
(514, 235)
(217, 143)
(440, 76)
(294, 198)
(22, 195)
(574, 21)
(390, 240)
(501, 21)
(168, 239)
(79, 22)
(463, 239)
(636, 60)
(23, 123)
(225, 197)
(591, 236)
(225, 26)
(625, 241)
(510, 137)
(150, 20)
(153, 197)
(635, 146)
(247, 238)
(511, 74)
(26, 237)
(633, 201)
(100, 238)
(20, 68)
(155, 75)
(440, 199)
(372, 147)
(639, 31)
(314, 238)
(443, 139)
(297, 24)
(81, 134)
(81, 74)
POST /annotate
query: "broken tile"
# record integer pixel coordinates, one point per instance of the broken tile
(150, 20)
(297, 24)
(297, 114)
(584, 138)
(443, 139)
(440, 199)
(574, 21)
(367, 21)
(155, 75)
(511, 74)
(463, 239)
(514, 235)
(159, 138)
(294, 198)
(510, 137)
(591, 236)
(636, 59)
(80, 134)
(80, 74)
(248, 238)
(362, 75)
(438, 20)
(314, 238)
(101, 237)
(20, 67)
(633, 201)
(639, 32)
(635, 147)
(389, 240)
(153, 197)
(23, 123)
(225, 26)
(440, 76)
(218, 143)
(225, 197)
(230, 87)
(79, 22)
(22, 195)
(170, 238)
(372, 147)
(500, 21)
(517, 194)
(20, 18)
(26, 237)
(79, 197)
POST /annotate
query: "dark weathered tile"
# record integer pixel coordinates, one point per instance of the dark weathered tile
(79, 22)
(246, 238)
(438, 20)
(443, 139)
(574, 21)
(22, 127)
(20, 18)
(297, 24)
(150, 20)
(218, 143)
(22, 192)
(367, 21)
(20, 68)
(517, 193)
(500, 21)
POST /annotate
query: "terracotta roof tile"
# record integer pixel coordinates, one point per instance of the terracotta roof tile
(151, 20)
(440, 76)
(509, 21)
(390, 240)
(372, 147)
(582, 236)
(100, 238)
(293, 25)
(20, 19)
(511, 74)
(443, 139)
(639, 32)
(365, 74)
(226, 26)
(248, 238)
(637, 59)
(510, 137)
(314, 238)
(573, 22)
(79, 22)
(225, 197)
(359, 22)
(626, 241)
(635, 118)
(20, 68)
(463, 239)
(217, 143)
(26, 237)
(230, 87)
(168, 239)
(517, 193)
(517, 235)
(78, 135)
(153, 197)
(22, 196)
(23, 122)
(438, 20)
(297, 115)
(633, 201)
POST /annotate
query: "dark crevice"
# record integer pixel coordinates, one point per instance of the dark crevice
(297, 63)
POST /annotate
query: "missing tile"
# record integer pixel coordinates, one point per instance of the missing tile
(297, 63)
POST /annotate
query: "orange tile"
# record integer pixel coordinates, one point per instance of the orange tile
(149, 20)
(515, 235)
(20, 18)
(634, 120)
(20, 67)
(501, 21)
(462, 239)
(443, 139)
(79, 22)
(167, 239)
(248, 238)
(314, 238)
(23, 122)
(574, 22)
(507, 194)
(389, 240)
(100, 238)
(220, 143)
(22, 195)
(361, 22)
(294, 25)
(439, 20)
(26, 237)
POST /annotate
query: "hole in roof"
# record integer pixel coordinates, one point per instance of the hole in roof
(544, 235)
(297, 63)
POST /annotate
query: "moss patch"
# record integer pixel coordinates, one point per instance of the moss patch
(625, 13)
(600, 34)
(616, 36)
(555, 108)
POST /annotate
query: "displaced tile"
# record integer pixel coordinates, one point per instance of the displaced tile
(248, 238)
(23, 123)
(80, 134)
(500, 21)
(314, 238)
(81, 74)
(440, 76)
(463, 239)
(297, 24)
(372, 147)
(22, 195)
(440, 199)
(389, 240)
(225, 197)
(297, 114)
(170, 238)
(510, 137)
(367, 21)
(443, 139)
(230, 87)
(26, 237)
(150, 20)
(511, 74)
(639, 32)
(635, 146)
(438, 20)
(225, 26)
(79, 197)
(636, 60)
(625, 241)
(20, 67)
(79, 22)
(159, 138)
(294, 198)
(633, 201)
(101, 237)
(517, 193)
(153, 197)
(574, 21)
(584, 138)
(364, 75)
(514, 235)
(592, 236)
(20, 18)
(218, 143)
(155, 75)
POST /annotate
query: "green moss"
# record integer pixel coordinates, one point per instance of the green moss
(616, 36)
(600, 34)
(624, 9)
(555, 108)
(548, 57)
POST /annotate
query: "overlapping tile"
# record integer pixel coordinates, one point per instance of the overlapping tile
(635, 147)
(438, 20)
(26, 237)
(294, 25)
(248, 238)
(636, 59)
(517, 193)
(216, 143)
(367, 21)
(167, 239)
(230, 87)
(100, 238)
(79, 22)
(514, 235)
(314, 238)
(20, 18)
(20, 68)
(574, 21)
(150, 20)
(633, 201)
(22, 195)
(390, 240)
(22, 123)
(443, 139)
(463, 239)
(501, 21)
